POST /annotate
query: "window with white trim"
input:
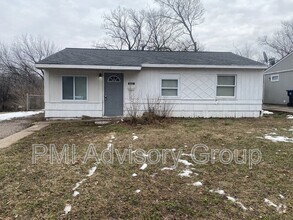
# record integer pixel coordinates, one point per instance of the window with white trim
(74, 88)
(275, 78)
(226, 86)
(169, 87)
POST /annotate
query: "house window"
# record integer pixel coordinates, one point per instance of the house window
(74, 88)
(226, 86)
(275, 78)
(169, 87)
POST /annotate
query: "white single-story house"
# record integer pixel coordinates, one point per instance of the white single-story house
(277, 80)
(106, 83)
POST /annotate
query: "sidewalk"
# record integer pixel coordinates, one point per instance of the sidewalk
(278, 108)
(12, 139)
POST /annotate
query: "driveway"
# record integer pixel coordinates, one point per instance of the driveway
(8, 128)
(13, 126)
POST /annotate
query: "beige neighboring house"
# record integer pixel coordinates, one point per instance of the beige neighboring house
(277, 80)
(107, 83)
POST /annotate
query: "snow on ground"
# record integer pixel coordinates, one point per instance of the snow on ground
(185, 162)
(92, 171)
(78, 184)
(137, 191)
(143, 166)
(67, 209)
(268, 113)
(219, 191)
(197, 184)
(230, 198)
(109, 146)
(168, 168)
(185, 173)
(75, 193)
(281, 196)
(281, 208)
(278, 138)
(289, 116)
(134, 175)
(134, 137)
(11, 115)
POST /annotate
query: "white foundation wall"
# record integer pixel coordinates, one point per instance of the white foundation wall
(197, 92)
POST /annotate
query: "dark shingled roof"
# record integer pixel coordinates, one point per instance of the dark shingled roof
(78, 56)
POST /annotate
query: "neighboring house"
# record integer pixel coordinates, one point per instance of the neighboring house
(277, 80)
(100, 83)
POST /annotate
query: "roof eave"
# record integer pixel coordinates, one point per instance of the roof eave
(204, 66)
(89, 67)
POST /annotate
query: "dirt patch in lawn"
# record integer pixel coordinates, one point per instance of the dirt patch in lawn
(113, 191)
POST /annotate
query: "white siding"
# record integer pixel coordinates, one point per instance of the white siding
(197, 93)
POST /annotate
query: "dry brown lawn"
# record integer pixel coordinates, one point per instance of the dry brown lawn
(41, 191)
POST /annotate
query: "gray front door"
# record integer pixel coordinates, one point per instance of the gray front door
(113, 94)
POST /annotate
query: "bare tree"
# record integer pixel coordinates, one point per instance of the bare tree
(163, 33)
(187, 14)
(125, 27)
(17, 68)
(281, 42)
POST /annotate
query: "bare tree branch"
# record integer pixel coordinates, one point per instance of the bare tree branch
(186, 13)
(281, 42)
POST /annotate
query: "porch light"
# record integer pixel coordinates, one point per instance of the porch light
(100, 76)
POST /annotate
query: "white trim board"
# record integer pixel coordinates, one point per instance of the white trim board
(93, 67)
(100, 67)
(202, 66)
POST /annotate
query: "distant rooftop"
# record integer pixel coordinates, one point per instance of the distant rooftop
(81, 56)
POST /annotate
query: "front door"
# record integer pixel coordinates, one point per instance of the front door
(113, 94)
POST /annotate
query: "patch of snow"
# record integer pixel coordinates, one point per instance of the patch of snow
(173, 149)
(134, 175)
(112, 137)
(268, 113)
(109, 146)
(185, 162)
(137, 191)
(197, 184)
(11, 115)
(168, 168)
(75, 193)
(270, 203)
(281, 196)
(78, 184)
(241, 205)
(143, 166)
(279, 139)
(134, 137)
(185, 173)
(289, 116)
(67, 209)
(189, 155)
(153, 175)
(92, 170)
(231, 199)
(219, 191)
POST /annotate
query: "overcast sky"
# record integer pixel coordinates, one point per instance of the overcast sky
(79, 23)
